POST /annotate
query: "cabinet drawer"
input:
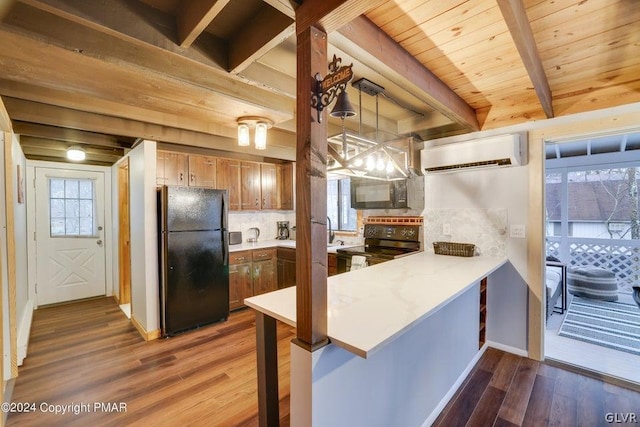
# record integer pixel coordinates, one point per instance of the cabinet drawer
(241, 257)
(286, 253)
(264, 254)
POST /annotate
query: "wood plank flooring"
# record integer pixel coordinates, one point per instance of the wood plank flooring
(508, 390)
(89, 352)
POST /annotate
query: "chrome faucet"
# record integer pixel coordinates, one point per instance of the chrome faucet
(332, 235)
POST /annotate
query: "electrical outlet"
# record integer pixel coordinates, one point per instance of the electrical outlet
(517, 231)
(446, 229)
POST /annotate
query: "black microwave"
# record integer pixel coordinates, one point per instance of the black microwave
(376, 194)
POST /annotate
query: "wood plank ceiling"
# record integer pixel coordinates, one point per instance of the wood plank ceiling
(105, 74)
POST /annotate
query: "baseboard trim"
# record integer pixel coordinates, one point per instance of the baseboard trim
(507, 348)
(454, 388)
(24, 331)
(611, 379)
(148, 336)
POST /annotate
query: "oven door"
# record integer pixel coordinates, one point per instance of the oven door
(344, 261)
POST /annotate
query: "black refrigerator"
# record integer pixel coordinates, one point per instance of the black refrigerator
(193, 257)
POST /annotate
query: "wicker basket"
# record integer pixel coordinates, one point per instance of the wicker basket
(455, 249)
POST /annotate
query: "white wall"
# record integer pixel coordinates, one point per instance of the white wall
(24, 301)
(145, 297)
(490, 189)
(6, 328)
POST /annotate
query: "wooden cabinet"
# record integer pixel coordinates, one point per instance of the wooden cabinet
(250, 186)
(202, 171)
(332, 264)
(483, 313)
(286, 267)
(268, 186)
(240, 278)
(284, 180)
(228, 178)
(265, 275)
(171, 168)
(251, 273)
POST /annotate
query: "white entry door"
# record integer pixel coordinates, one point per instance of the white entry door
(70, 254)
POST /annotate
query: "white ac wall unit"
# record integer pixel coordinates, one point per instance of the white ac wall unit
(496, 151)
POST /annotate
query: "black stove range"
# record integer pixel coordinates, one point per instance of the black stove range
(382, 243)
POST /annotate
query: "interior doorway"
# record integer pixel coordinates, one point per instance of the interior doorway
(124, 239)
(592, 240)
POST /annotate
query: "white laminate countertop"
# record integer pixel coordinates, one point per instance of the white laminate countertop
(369, 308)
(274, 243)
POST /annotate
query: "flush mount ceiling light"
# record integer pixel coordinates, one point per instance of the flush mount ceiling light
(76, 153)
(260, 126)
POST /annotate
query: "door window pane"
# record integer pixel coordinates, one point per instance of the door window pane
(553, 203)
(603, 203)
(72, 207)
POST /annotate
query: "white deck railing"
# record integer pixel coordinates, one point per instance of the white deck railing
(619, 256)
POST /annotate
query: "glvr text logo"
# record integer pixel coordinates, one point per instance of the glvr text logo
(621, 417)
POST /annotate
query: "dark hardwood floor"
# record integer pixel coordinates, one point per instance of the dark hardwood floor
(88, 352)
(508, 390)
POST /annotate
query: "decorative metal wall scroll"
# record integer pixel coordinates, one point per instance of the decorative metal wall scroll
(326, 90)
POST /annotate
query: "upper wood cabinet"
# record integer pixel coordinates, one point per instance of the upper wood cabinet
(202, 171)
(251, 185)
(284, 180)
(251, 192)
(268, 186)
(228, 177)
(171, 168)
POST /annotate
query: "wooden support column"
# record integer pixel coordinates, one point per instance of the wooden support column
(311, 195)
(267, 357)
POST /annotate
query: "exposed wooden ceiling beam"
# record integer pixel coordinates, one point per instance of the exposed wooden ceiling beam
(54, 158)
(66, 134)
(194, 17)
(122, 19)
(84, 42)
(281, 144)
(61, 147)
(515, 16)
(331, 14)
(5, 121)
(286, 7)
(265, 31)
(399, 65)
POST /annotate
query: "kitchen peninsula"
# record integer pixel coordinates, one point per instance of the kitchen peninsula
(402, 334)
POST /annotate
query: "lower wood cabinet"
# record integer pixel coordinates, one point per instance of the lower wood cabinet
(251, 273)
(286, 267)
(240, 278)
(265, 273)
(332, 264)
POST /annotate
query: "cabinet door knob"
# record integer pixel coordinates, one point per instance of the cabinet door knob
(193, 176)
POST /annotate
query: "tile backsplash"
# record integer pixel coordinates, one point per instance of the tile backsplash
(265, 221)
(486, 228)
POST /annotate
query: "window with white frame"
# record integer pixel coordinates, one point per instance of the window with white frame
(343, 218)
(72, 207)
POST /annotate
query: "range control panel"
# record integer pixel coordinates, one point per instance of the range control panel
(410, 233)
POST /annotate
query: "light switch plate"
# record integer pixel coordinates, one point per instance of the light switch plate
(517, 231)
(446, 229)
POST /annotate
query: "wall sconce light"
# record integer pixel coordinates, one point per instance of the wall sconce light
(76, 153)
(260, 124)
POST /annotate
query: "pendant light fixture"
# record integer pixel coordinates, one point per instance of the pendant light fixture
(260, 126)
